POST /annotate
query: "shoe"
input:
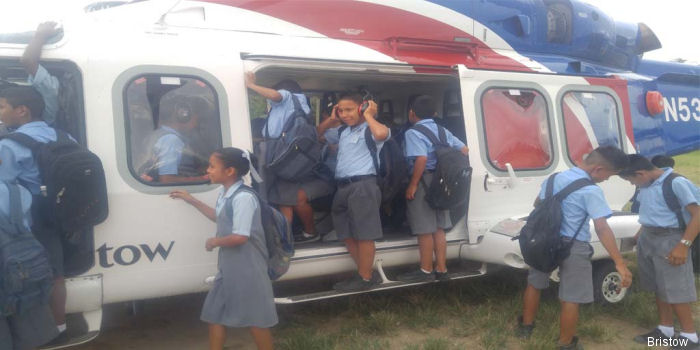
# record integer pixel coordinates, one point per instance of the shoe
(61, 339)
(331, 237)
(441, 276)
(524, 331)
(416, 276)
(681, 342)
(306, 238)
(574, 345)
(376, 278)
(655, 333)
(354, 284)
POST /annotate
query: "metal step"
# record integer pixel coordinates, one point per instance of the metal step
(385, 285)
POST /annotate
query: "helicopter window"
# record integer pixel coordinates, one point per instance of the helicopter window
(517, 129)
(590, 120)
(172, 127)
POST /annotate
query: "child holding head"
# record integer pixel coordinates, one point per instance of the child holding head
(242, 292)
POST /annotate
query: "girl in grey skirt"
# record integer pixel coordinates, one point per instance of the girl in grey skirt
(242, 292)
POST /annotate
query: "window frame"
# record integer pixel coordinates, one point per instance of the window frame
(122, 131)
(481, 123)
(595, 89)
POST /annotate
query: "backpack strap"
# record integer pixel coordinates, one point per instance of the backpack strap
(16, 216)
(549, 191)
(289, 124)
(228, 206)
(24, 140)
(573, 187)
(369, 141)
(672, 200)
(440, 140)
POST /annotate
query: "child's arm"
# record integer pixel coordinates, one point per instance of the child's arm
(607, 238)
(231, 240)
(208, 211)
(379, 131)
(465, 150)
(679, 254)
(270, 94)
(30, 58)
(418, 169)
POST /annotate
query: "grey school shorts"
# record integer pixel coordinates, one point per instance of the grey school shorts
(28, 330)
(421, 217)
(317, 188)
(575, 275)
(356, 210)
(672, 284)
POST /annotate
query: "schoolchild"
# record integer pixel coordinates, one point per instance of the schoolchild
(21, 109)
(39, 78)
(290, 197)
(242, 292)
(576, 279)
(663, 259)
(659, 161)
(426, 223)
(33, 327)
(355, 208)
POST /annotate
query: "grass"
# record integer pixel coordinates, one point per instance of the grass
(468, 314)
(689, 165)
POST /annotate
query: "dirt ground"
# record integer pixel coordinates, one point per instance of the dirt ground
(173, 323)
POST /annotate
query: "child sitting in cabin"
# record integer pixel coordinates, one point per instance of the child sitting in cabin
(663, 241)
(355, 209)
(242, 292)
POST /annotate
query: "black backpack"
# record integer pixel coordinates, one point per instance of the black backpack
(541, 245)
(296, 154)
(25, 273)
(392, 170)
(675, 205)
(279, 241)
(73, 191)
(450, 184)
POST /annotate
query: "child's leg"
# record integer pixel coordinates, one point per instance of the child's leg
(685, 317)
(305, 212)
(365, 258)
(567, 322)
(351, 244)
(665, 313)
(288, 212)
(440, 250)
(531, 302)
(425, 249)
(217, 336)
(262, 337)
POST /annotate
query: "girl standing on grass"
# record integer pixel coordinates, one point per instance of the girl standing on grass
(242, 292)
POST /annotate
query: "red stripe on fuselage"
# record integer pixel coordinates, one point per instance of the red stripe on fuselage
(620, 87)
(378, 27)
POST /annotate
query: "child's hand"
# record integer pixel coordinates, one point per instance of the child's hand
(182, 194)
(371, 110)
(46, 30)
(249, 79)
(411, 192)
(211, 244)
(625, 274)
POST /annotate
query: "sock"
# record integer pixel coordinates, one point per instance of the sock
(666, 330)
(691, 336)
(426, 272)
(441, 271)
(61, 328)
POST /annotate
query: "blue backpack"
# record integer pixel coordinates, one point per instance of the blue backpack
(25, 273)
(278, 236)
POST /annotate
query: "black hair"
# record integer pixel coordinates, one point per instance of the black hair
(610, 156)
(25, 96)
(352, 96)
(637, 163)
(289, 85)
(424, 107)
(233, 158)
(661, 161)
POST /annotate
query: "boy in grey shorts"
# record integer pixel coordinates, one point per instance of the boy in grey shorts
(665, 267)
(427, 223)
(356, 202)
(576, 280)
